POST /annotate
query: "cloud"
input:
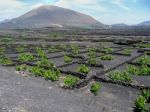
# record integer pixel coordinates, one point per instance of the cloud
(120, 4)
(4, 4)
(66, 3)
(82, 4)
(10, 8)
(13, 8)
(36, 5)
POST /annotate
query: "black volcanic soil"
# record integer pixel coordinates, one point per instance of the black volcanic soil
(35, 94)
(30, 94)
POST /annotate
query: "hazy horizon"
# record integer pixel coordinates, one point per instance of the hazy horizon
(106, 11)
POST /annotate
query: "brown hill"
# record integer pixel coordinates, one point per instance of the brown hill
(46, 16)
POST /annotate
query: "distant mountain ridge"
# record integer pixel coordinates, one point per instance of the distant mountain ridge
(47, 16)
(5, 21)
(145, 23)
(123, 25)
(120, 25)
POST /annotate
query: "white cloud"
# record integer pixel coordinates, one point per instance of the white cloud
(4, 4)
(84, 4)
(10, 8)
(129, 19)
(120, 4)
(13, 8)
(66, 3)
(36, 5)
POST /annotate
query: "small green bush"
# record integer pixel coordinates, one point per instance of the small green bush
(127, 51)
(21, 67)
(83, 69)
(67, 59)
(61, 47)
(120, 76)
(47, 74)
(140, 104)
(37, 71)
(143, 70)
(2, 49)
(146, 94)
(107, 57)
(45, 63)
(95, 88)
(70, 81)
(107, 50)
(91, 53)
(133, 70)
(25, 57)
(142, 45)
(51, 75)
(5, 60)
(20, 49)
(144, 60)
(41, 53)
(6, 39)
(75, 50)
(92, 61)
(52, 49)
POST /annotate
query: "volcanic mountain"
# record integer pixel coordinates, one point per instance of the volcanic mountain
(47, 16)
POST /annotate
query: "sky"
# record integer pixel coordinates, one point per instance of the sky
(106, 11)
